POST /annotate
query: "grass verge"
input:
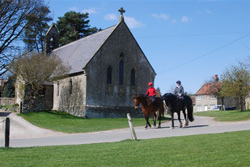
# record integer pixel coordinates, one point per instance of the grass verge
(222, 150)
(63, 122)
(233, 115)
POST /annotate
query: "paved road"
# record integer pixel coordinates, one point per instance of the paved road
(34, 136)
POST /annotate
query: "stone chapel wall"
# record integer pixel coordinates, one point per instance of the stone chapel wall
(70, 95)
(114, 99)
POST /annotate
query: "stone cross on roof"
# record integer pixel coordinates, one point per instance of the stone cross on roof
(121, 10)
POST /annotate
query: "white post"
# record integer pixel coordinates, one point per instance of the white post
(131, 127)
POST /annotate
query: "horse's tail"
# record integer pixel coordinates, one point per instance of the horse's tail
(189, 105)
(190, 113)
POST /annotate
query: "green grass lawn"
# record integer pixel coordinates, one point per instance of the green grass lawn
(211, 150)
(63, 122)
(234, 115)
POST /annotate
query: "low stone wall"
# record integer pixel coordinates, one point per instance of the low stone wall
(112, 112)
(7, 101)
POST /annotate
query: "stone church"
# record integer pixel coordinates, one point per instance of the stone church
(107, 68)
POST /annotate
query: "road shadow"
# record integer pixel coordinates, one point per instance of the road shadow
(4, 114)
(194, 126)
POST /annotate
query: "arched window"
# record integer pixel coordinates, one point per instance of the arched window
(58, 88)
(52, 43)
(109, 75)
(70, 86)
(132, 79)
(121, 72)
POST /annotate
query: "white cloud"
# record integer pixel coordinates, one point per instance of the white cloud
(174, 21)
(111, 17)
(184, 19)
(73, 9)
(89, 11)
(208, 12)
(160, 16)
(132, 22)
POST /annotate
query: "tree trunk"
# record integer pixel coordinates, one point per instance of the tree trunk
(242, 102)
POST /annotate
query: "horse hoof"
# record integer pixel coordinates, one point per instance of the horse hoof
(181, 125)
(171, 127)
(159, 126)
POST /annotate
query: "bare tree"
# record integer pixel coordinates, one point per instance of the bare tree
(13, 21)
(35, 69)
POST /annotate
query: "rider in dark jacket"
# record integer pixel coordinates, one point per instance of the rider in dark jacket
(179, 90)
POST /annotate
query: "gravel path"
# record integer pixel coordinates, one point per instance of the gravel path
(24, 134)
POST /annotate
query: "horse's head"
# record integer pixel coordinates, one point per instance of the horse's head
(137, 100)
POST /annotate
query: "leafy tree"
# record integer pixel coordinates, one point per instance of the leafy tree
(36, 30)
(235, 82)
(35, 69)
(13, 21)
(73, 26)
(9, 88)
(158, 92)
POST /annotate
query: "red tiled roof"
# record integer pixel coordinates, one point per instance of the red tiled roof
(209, 88)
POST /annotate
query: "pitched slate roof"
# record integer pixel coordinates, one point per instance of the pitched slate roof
(208, 89)
(77, 54)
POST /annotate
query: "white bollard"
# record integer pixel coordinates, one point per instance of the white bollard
(131, 127)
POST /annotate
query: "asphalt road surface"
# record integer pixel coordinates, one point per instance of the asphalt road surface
(24, 134)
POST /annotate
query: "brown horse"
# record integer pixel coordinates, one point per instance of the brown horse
(149, 107)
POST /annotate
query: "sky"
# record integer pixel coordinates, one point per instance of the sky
(186, 40)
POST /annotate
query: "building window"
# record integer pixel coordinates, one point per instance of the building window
(109, 75)
(199, 97)
(212, 97)
(121, 72)
(58, 88)
(199, 108)
(70, 86)
(133, 77)
(212, 106)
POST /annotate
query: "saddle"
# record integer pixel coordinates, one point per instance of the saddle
(151, 99)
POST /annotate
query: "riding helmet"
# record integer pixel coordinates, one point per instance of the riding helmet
(150, 84)
(179, 82)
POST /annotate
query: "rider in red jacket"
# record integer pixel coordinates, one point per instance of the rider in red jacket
(151, 90)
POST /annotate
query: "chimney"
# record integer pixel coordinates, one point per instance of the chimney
(216, 79)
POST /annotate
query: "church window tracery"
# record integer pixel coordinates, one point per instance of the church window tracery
(132, 79)
(121, 72)
(109, 75)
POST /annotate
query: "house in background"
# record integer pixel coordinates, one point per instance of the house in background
(206, 98)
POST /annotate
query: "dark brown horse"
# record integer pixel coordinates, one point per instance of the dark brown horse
(149, 107)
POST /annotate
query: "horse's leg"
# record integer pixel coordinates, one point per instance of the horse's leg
(172, 119)
(185, 117)
(179, 118)
(155, 117)
(147, 121)
(159, 116)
